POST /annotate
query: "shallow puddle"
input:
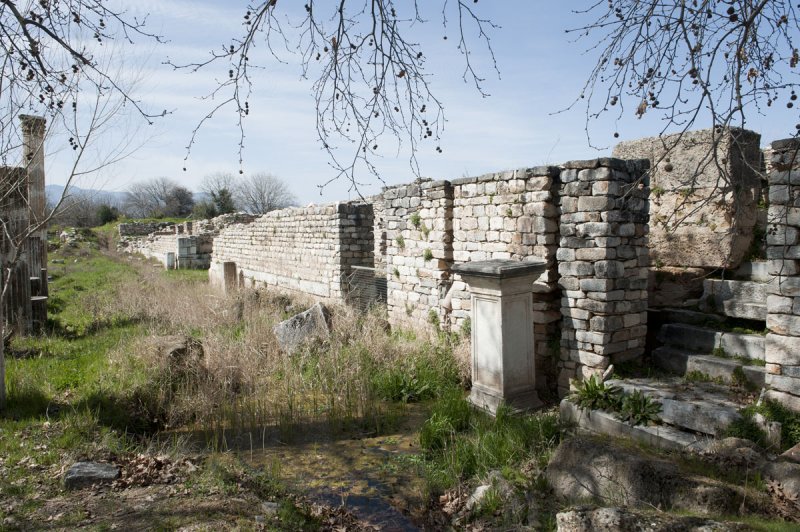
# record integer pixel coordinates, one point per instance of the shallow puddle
(375, 477)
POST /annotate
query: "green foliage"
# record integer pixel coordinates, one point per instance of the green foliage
(416, 220)
(639, 409)
(396, 273)
(466, 328)
(204, 210)
(789, 420)
(594, 394)
(657, 192)
(427, 255)
(747, 429)
(424, 375)
(223, 201)
(454, 454)
(401, 242)
(433, 318)
(107, 214)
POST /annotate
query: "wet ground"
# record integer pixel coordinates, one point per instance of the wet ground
(376, 478)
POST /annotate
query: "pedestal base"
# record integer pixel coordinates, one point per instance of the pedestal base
(489, 400)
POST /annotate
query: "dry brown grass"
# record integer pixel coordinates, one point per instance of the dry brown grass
(243, 379)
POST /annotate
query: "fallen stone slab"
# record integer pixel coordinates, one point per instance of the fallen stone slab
(590, 519)
(302, 327)
(85, 474)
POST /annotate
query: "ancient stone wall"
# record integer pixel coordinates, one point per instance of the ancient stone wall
(307, 250)
(783, 253)
(187, 245)
(603, 260)
(510, 215)
(705, 194)
(142, 228)
(419, 251)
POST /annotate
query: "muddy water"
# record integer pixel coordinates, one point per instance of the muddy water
(374, 477)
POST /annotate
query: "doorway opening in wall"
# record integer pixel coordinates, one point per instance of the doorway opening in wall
(366, 287)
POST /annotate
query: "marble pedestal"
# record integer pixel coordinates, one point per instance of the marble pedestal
(503, 366)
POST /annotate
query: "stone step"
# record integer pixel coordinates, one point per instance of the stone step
(689, 317)
(753, 271)
(700, 407)
(737, 299)
(682, 362)
(704, 340)
(658, 436)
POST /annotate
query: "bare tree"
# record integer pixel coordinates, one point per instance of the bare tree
(158, 197)
(371, 89)
(703, 62)
(261, 193)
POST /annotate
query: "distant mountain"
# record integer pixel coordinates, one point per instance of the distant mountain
(54, 192)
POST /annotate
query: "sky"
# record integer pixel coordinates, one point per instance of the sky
(523, 122)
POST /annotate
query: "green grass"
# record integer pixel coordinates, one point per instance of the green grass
(461, 443)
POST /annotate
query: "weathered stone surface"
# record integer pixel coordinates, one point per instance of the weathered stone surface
(706, 410)
(584, 468)
(792, 454)
(787, 473)
(674, 287)
(738, 299)
(310, 324)
(590, 519)
(700, 216)
(783, 350)
(85, 474)
(657, 436)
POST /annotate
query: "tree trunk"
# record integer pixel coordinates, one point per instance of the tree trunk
(2, 358)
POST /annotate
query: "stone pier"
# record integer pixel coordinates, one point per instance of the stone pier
(783, 254)
(602, 259)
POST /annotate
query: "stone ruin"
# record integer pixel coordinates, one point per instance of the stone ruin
(644, 253)
(177, 246)
(22, 209)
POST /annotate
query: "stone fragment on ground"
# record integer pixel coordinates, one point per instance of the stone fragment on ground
(85, 474)
(590, 519)
(592, 469)
(310, 324)
(793, 454)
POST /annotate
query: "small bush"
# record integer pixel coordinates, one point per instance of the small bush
(401, 242)
(594, 394)
(747, 429)
(639, 409)
(415, 220)
(427, 255)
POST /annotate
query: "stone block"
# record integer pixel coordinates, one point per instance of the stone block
(784, 350)
(726, 200)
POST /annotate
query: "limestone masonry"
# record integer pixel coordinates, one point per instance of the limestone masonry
(620, 240)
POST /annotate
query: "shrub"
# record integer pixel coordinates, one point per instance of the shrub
(639, 409)
(595, 394)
